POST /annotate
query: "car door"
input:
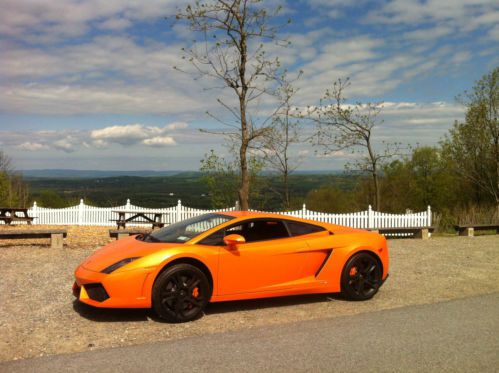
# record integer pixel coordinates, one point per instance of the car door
(270, 260)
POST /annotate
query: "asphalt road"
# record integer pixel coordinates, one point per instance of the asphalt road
(455, 336)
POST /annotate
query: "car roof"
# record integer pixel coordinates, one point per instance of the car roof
(250, 214)
(258, 214)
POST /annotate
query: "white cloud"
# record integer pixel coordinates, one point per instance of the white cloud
(456, 12)
(32, 146)
(115, 24)
(94, 77)
(428, 34)
(126, 133)
(159, 141)
(461, 57)
(51, 21)
(177, 126)
(494, 34)
(339, 154)
(136, 133)
(74, 99)
(66, 144)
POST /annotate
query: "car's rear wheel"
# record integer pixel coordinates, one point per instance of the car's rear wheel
(181, 293)
(361, 277)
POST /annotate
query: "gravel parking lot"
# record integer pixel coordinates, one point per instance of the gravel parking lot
(38, 315)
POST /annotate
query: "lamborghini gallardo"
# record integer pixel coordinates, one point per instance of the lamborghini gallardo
(228, 256)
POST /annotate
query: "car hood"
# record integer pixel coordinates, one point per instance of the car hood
(128, 247)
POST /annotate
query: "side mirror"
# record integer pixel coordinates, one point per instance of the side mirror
(234, 239)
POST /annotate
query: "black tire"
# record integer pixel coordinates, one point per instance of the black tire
(180, 293)
(361, 277)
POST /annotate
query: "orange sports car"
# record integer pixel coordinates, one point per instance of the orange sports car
(227, 256)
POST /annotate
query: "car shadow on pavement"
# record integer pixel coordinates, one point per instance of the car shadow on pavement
(140, 314)
(111, 314)
(255, 304)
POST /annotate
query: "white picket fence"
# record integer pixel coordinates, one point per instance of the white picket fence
(83, 214)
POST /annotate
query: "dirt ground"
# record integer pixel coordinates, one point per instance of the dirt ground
(38, 314)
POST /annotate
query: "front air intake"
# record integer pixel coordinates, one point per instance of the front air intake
(96, 292)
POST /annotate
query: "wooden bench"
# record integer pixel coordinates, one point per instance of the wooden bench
(119, 233)
(56, 235)
(469, 229)
(417, 232)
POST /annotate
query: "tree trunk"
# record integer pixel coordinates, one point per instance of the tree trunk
(245, 182)
(286, 190)
(374, 168)
(244, 188)
(377, 197)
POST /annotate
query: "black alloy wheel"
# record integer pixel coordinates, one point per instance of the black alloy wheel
(361, 277)
(181, 293)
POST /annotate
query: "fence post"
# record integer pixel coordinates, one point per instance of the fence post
(237, 206)
(428, 215)
(303, 211)
(127, 204)
(370, 217)
(179, 210)
(34, 212)
(80, 212)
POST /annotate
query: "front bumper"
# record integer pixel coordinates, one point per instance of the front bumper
(128, 289)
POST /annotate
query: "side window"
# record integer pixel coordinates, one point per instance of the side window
(237, 229)
(299, 229)
(261, 230)
(217, 238)
(252, 231)
(214, 239)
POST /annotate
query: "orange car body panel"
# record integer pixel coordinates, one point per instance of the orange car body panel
(310, 263)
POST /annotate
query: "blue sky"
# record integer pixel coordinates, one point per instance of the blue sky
(91, 84)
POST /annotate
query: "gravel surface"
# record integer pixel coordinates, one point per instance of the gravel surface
(38, 315)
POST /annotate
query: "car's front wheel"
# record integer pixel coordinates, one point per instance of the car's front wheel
(180, 293)
(361, 277)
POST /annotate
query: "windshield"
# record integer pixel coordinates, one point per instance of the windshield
(185, 230)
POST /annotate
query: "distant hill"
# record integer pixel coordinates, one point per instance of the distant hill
(163, 191)
(91, 174)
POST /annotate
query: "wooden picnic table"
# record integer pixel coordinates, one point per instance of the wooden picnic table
(139, 217)
(14, 214)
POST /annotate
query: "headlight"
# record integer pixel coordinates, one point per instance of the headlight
(115, 266)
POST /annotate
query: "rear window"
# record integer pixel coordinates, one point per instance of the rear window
(299, 229)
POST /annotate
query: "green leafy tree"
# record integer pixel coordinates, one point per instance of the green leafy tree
(221, 175)
(50, 198)
(13, 190)
(424, 178)
(472, 147)
(331, 199)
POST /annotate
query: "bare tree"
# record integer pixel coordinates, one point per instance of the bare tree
(232, 52)
(283, 134)
(341, 126)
